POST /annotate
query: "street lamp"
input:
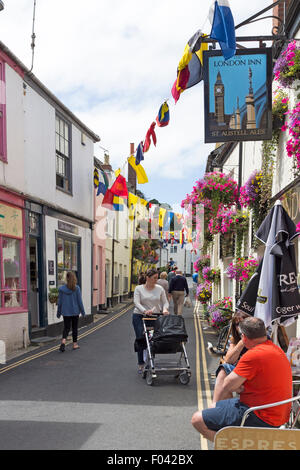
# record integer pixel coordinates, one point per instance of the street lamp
(1, 5)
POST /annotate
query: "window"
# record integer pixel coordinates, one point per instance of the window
(67, 258)
(3, 150)
(63, 154)
(11, 284)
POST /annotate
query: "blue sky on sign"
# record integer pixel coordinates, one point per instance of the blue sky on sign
(113, 63)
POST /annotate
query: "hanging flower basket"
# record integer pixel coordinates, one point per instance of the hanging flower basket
(211, 274)
(213, 189)
(204, 292)
(279, 109)
(293, 127)
(287, 66)
(219, 318)
(53, 295)
(201, 262)
(242, 269)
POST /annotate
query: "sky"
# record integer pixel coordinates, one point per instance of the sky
(113, 63)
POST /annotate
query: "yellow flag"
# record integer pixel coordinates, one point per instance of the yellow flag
(140, 172)
(161, 216)
(132, 201)
(117, 172)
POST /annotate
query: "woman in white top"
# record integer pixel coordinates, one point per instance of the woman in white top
(148, 298)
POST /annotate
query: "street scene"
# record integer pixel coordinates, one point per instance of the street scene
(93, 399)
(149, 228)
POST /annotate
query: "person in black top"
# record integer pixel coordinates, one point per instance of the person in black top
(177, 286)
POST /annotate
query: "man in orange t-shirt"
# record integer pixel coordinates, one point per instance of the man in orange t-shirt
(262, 375)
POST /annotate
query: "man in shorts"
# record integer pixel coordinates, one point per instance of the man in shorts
(262, 375)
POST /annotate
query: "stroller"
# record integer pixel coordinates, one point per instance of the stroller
(165, 335)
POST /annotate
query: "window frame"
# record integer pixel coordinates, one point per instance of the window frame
(70, 238)
(67, 158)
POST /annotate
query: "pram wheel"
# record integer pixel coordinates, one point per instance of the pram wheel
(184, 378)
(149, 377)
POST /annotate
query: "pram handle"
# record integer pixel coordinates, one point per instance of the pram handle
(147, 316)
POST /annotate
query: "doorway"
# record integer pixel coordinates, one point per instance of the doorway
(34, 283)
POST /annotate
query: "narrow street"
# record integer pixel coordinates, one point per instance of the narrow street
(94, 398)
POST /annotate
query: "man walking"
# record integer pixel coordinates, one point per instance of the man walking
(177, 286)
(262, 375)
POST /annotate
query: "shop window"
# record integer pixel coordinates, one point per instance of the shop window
(67, 258)
(3, 150)
(11, 279)
(63, 154)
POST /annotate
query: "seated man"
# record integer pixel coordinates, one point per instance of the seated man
(263, 375)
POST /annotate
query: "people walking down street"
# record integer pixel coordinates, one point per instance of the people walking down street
(70, 306)
(162, 281)
(262, 375)
(172, 273)
(177, 286)
(148, 298)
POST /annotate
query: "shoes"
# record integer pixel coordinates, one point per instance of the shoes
(141, 369)
(62, 347)
(77, 347)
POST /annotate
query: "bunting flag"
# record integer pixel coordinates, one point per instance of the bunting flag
(163, 116)
(223, 29)
(101, 188)
(119, 188)
(168, 221)
(182, 238)
(118, 203)
(190, 70)
(162, 213)
(139, 156)
(132, 202)
(150, 133)
(108, 199)
(140, 172)
(96, 178)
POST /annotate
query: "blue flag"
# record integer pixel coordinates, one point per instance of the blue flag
(101, 188)
(139, 154)
(223, 27)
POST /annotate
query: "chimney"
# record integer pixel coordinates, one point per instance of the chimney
(131, 172)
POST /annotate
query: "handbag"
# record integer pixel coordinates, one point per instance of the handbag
(187, 302)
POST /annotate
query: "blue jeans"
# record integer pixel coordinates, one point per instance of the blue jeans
(230, 413)
(139, 333)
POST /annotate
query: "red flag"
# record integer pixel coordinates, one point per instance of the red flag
(108, 199)
(180, 83)
(150, 133)
(119, 188)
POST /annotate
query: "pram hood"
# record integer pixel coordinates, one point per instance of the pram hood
(169, 326)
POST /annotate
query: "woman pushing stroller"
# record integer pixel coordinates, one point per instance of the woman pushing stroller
(148, 298)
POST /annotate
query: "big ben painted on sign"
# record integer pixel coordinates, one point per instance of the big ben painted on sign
(238, 96)
(219, 100)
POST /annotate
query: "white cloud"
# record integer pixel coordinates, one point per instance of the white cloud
(114, 62)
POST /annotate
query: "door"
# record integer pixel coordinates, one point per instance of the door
(34, 283)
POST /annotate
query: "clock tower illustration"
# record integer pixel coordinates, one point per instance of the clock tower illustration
(219, 93)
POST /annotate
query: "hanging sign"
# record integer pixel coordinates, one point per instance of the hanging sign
(238, 95)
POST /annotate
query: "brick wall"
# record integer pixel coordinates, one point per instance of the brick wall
(278, 10)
